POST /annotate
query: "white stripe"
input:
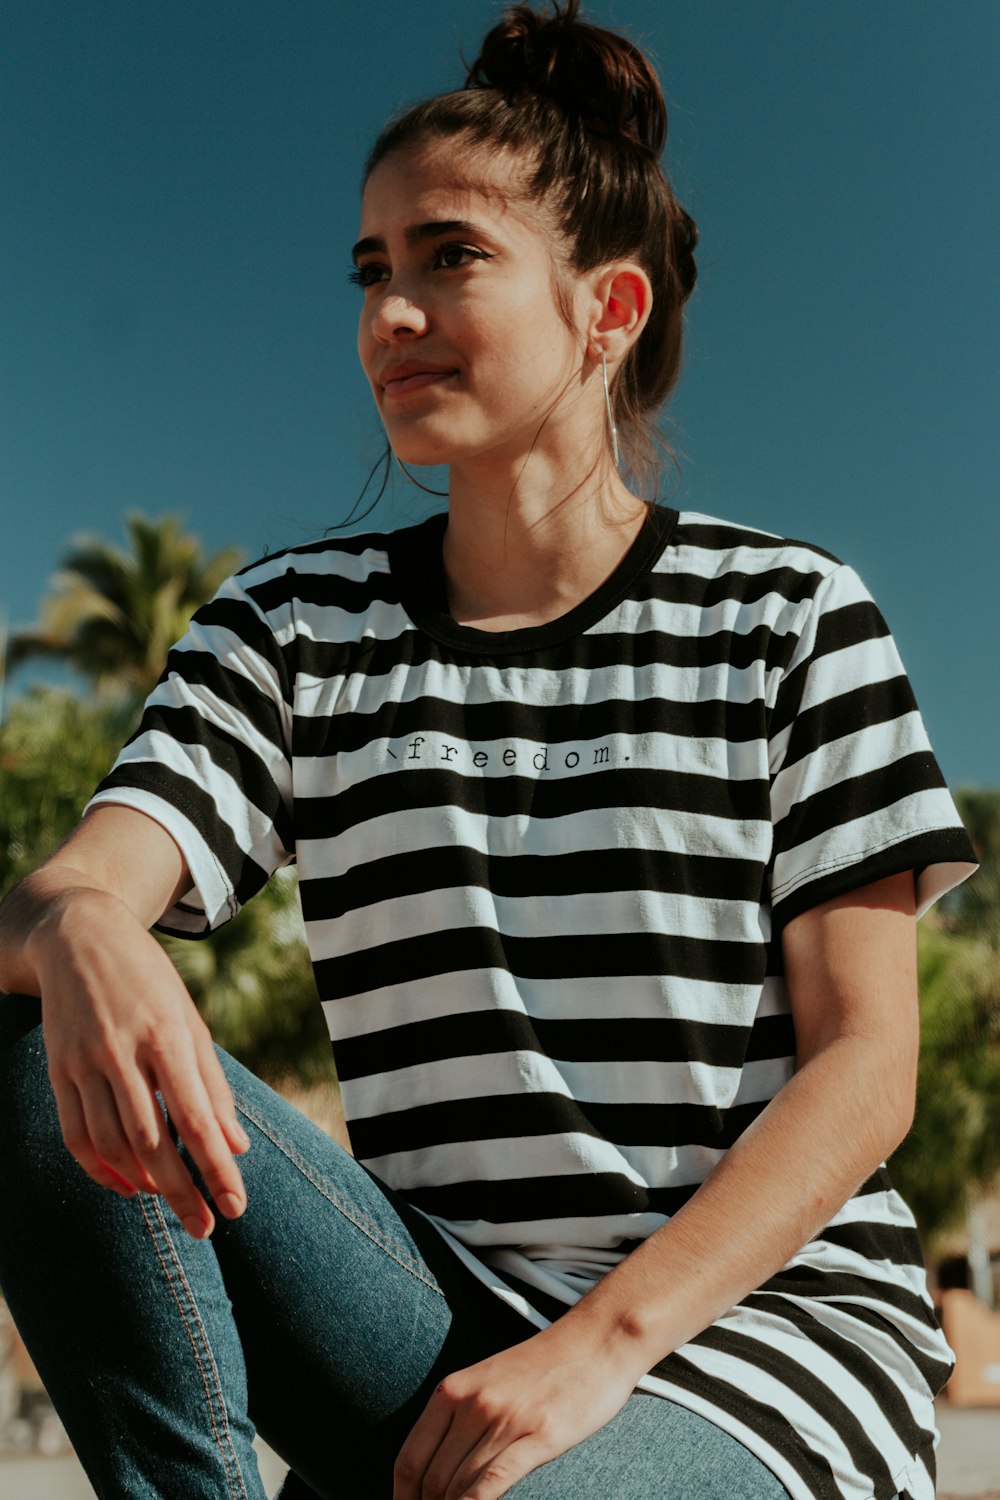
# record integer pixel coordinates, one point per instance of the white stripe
(643, 997)
(520, 1072)
(570, 1154)
(600, 913)
(416, 830)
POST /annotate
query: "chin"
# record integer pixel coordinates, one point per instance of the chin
(421, 448)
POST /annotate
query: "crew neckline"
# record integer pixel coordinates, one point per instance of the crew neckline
(416, 562)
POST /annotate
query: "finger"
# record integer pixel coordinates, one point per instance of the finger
(191, 1110)
(425, 1439)
(77, 1140)
(502, 1471)
(107, 1135)
(148, 1132)
(220, 1094)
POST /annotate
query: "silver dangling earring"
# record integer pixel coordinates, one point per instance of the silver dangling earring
(612, 428)
(414, 480)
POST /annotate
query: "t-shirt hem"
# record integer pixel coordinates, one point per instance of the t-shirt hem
(651, 1384)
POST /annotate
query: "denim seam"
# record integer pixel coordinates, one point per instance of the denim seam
(322, 1184)
(192, 1321)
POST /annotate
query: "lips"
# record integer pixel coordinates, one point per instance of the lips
(411, 375)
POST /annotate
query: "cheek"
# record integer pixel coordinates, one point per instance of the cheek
(365, 343)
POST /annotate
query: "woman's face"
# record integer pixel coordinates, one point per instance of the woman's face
(461, 332)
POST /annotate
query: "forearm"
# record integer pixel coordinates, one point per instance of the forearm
(118, 865)
(782, 1181)
(123, 1039)
(35, 906)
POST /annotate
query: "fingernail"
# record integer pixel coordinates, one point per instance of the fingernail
(196, 1228)
(243, 1140)
(231, 1204)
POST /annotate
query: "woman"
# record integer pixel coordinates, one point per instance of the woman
(610, 825)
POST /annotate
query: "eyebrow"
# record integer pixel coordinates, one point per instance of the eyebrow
(375, 244)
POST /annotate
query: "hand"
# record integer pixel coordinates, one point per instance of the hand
(120, 1027)
(487, 1426)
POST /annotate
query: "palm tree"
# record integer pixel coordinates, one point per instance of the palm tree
(113, 614)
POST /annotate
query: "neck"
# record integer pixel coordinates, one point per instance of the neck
(525, 548)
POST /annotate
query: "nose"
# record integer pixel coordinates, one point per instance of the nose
(397, 317)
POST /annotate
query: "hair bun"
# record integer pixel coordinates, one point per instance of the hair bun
(593, 75)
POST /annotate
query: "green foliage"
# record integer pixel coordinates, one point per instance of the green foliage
(54, 749)
(952, 1154)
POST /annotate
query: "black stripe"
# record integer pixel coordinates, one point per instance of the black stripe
(650, 645)
(527, 876)
(231, 694)
(505, 796)
(586, 1196)
(896, 1243)
(857, 624)
(489, 723)
(503, 1116)
(725, 536)
(352, 596)
(934, 1372)
(691, 590)
(620, 1039)
(608, 955)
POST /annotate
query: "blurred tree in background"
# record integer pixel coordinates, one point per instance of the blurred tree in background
(113, 615)
(951, 1158)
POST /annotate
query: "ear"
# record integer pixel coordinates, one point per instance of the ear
(623, 301)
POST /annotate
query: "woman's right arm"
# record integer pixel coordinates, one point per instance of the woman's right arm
(119, 1025)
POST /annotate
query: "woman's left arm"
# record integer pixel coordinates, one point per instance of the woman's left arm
(850, 968)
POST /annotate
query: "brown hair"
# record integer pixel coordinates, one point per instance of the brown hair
(584, 107)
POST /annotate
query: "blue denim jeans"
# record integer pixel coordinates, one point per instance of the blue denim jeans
(323, 1319)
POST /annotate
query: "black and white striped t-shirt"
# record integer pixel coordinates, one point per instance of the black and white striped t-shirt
(544, 874)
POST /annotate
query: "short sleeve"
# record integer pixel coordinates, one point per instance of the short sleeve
(211, 760)
(856, 793)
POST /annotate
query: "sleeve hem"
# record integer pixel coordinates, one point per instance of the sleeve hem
(939, 858)
(210, 900)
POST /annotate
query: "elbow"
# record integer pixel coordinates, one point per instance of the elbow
(899, 1094)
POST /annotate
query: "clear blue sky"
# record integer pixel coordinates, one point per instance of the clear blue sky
(178, 197)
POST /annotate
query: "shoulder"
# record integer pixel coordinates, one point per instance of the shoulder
(326, 590)
(707, 544)
(315, 569)
(786, 598)
(346, 573)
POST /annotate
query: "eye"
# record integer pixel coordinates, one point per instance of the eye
(368, 274)
(453, 256)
